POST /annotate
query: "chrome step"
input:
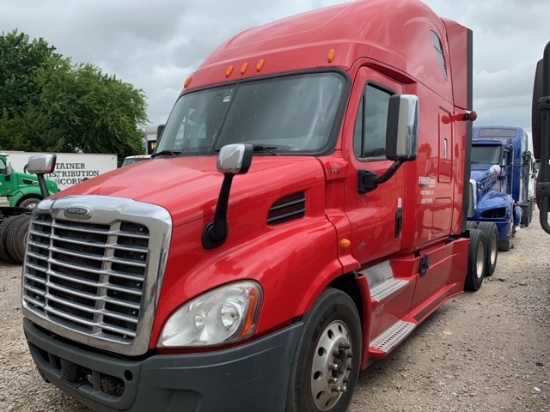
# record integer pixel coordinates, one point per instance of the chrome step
(393, 336)
(387, 288)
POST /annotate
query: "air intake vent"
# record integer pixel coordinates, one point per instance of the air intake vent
(286, 209)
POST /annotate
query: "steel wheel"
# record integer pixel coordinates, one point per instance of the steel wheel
(327, 357)
(331, 366)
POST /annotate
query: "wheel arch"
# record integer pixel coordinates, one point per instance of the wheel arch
(349, 284)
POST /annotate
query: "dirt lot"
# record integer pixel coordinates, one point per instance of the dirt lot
(486, 351)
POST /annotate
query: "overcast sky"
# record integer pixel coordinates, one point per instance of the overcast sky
(156, 45)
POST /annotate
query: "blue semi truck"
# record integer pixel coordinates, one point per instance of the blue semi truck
(503, 175)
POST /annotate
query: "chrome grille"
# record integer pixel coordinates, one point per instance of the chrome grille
(91, 277)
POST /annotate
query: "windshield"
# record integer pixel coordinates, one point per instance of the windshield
(486, 154)
(290, 114)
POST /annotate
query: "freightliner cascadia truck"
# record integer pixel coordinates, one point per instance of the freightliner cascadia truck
(303, 213)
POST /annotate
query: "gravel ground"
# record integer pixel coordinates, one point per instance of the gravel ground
(486, 351)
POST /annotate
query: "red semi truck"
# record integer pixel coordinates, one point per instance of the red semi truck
(303, 213)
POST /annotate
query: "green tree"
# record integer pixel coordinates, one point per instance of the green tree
(60, 107)
(19, 61)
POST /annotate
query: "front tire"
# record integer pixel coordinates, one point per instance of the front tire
(476, 261)
(327, 360)
(490, 235)
(29, 203)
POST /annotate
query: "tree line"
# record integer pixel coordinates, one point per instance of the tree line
(49, 104)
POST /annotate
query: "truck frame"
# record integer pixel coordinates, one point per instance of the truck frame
(303, 213)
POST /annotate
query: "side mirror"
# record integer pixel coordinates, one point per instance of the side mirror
(9, 170)
(41, 164)
(401, 140)
(402, 130)
(233, 159)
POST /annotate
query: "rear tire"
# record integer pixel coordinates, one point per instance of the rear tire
(17, 237)
(476, 261)
(327, 360)
(527, 215)
(4, 230)
(490, 236)
(505, 245)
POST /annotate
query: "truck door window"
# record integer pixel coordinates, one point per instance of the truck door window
(2, 166)
(370, 125)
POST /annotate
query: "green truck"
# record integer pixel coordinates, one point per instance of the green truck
(21, 189)
(23, 192)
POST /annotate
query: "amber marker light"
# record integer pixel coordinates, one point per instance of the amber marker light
(187, 82)
(331, 55)
(345, 243)
(260, 65)
(244, 68)
(251, 317)
(229, 71)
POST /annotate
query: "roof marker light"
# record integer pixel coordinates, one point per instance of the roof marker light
(244, 68)
(260, 65)
(331, 55)
(187, 82)
(229, 71)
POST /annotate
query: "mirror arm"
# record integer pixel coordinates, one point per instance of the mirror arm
(215, 233)
(43, 185)
(369, 181)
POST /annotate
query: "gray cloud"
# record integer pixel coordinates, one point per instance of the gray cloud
(156, 45)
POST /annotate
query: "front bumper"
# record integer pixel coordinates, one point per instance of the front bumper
(250, 377)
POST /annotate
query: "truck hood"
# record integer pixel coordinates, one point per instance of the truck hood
(188, 187)
(479, 174)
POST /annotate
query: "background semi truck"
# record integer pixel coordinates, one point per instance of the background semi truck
(503, 172)
(303, 213)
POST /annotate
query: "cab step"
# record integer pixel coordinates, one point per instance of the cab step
(392, 337)
(387, 288)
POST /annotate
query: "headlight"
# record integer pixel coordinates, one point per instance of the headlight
(227, 314)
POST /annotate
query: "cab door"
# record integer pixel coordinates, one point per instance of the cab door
(376, 216)
(6, 184)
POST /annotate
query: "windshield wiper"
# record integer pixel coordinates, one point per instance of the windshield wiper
(166, 152)
(267, 149)
(261, 149)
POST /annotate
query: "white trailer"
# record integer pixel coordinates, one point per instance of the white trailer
(72, 168)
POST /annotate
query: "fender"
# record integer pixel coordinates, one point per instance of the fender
(284, 252)
(502, 204)
(22, 193)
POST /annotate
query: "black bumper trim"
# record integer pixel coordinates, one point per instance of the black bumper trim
(250, 377)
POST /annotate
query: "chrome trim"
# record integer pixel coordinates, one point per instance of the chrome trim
(54, 271)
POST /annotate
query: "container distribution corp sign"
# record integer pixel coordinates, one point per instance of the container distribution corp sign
(71, 168)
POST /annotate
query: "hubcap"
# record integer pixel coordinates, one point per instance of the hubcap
(331, 366)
